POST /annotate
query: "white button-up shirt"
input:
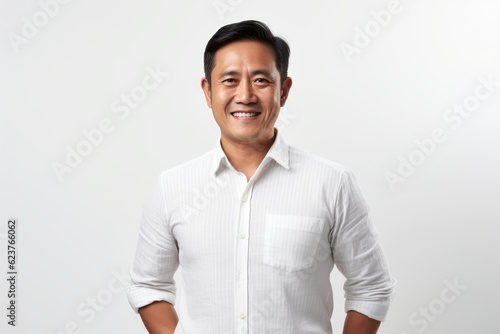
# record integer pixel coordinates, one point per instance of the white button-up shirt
(256, 256)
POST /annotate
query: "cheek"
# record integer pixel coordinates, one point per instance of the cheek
(221, 99)
(275, 96)
(274, 101)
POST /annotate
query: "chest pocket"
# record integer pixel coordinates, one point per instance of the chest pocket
(291, 242)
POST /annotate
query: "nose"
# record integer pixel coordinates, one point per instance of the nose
(245, 93)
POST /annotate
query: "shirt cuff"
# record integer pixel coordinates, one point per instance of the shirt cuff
(142, 296)
(372, 309)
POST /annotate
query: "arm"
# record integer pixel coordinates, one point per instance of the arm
(357, 323)
(359, 256)
(159, 317)
(152, 289)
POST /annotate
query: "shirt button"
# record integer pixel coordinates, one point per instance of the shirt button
(243, 235)
(243, 315)
(244, 198)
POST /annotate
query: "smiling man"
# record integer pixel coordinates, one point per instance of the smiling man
(257, 256)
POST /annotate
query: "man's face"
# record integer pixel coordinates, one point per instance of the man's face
(245, 92)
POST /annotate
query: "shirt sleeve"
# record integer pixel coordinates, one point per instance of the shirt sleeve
(359, 255)
(157, 255)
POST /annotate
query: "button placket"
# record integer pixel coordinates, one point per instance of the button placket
(242, 240)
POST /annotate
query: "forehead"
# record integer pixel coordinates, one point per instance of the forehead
(245, 53)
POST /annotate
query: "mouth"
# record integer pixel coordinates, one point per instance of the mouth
(245, 114)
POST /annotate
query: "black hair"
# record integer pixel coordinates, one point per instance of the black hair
(249, 30)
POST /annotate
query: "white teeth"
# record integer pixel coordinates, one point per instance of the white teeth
(245, 114)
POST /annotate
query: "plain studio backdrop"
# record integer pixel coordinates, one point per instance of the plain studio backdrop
(97, 97)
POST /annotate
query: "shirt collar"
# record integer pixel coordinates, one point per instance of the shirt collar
(278, 152)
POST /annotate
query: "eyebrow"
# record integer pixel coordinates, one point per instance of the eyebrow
(254, 73)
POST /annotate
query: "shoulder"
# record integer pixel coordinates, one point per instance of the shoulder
(198, 164)
(187, 174)
(179, 182)
(312, 162)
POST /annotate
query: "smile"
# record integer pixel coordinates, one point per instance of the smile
(245, 114)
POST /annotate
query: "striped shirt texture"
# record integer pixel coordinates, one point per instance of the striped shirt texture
(256, 256)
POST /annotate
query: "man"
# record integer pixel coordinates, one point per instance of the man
(256, 253)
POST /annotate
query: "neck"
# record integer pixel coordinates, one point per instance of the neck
(246, 157)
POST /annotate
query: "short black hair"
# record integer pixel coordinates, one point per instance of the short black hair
(249, 30)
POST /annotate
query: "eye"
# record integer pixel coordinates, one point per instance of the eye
(262, 82)
(229, 81)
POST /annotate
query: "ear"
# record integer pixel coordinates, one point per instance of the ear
(285, 89)
(205, 85)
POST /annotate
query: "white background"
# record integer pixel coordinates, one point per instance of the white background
(75, 236)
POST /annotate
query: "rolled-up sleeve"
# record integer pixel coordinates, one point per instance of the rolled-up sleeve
(359, 255)
(157, 256)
